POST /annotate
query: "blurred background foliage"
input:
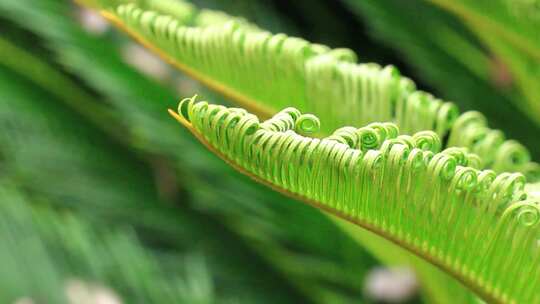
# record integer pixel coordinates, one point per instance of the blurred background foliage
(105, 198)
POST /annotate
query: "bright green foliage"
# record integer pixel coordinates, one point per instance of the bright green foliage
(311, 76)
(435, 203)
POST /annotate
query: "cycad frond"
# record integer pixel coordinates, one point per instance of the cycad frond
(265, 72)
(481, 227)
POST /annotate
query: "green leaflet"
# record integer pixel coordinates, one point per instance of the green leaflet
(481, 227)
(276, 70)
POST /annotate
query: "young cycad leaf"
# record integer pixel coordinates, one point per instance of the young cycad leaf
(264, 72)
(481, 227)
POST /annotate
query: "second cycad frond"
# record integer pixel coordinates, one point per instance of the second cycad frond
(437, 204)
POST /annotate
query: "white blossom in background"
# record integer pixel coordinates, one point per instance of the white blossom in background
(145, 61)
(92, 21)
(80, 292)
(391, 285)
